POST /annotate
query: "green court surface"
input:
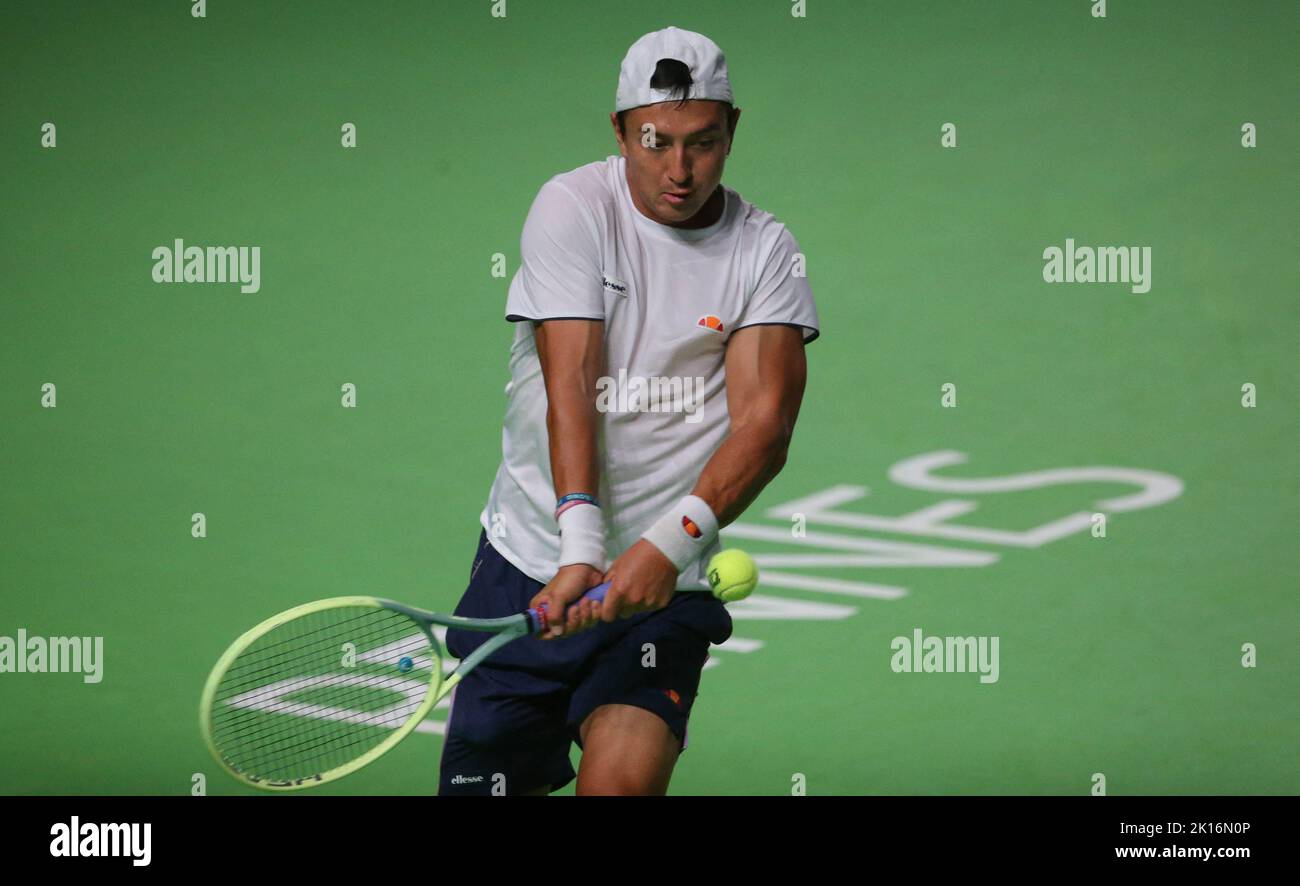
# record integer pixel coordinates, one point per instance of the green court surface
(1120, 655)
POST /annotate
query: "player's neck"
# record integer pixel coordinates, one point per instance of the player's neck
(709, 213)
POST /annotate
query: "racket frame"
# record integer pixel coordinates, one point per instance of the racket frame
(506, 629)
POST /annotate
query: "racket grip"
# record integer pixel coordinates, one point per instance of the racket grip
(537, 617)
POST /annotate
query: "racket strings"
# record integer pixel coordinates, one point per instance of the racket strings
(326, 736)
(322, 743)
(320, 691)
(249, 742)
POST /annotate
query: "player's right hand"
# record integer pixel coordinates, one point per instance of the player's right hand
(570, 583)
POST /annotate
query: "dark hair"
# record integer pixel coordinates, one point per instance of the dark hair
(675, 76)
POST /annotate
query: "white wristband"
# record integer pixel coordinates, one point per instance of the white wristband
(582, 536)
(685, 532)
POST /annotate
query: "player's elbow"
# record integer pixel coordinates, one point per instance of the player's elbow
(769, 435)
(780, 452)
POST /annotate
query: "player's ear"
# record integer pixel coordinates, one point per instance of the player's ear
(731, 129)
(618, 133)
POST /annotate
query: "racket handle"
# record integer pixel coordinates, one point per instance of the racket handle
(597, 593)
(537, 617)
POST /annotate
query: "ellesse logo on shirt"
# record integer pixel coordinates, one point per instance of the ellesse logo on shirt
(613, 284)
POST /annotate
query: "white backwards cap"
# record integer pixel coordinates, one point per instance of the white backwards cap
(697, 52)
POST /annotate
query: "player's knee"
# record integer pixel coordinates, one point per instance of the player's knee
(614, 784)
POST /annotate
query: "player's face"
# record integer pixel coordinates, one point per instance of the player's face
(685, 157)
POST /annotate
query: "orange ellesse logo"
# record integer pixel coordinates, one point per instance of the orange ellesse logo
(708, 321)
(674, 697)
(691, 529)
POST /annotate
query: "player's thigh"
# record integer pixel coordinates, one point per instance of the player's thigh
(503, 737)
(627, 750)
(630, 712)
(655, 665)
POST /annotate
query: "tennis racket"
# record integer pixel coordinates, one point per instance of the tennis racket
(319, 691)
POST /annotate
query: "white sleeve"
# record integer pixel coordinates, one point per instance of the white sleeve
(782, 294)
(560, 267)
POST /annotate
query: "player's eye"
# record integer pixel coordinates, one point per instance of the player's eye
(707, 143)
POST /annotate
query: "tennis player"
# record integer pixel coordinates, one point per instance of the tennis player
(655, 378)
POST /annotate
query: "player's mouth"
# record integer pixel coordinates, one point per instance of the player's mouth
(676, 199)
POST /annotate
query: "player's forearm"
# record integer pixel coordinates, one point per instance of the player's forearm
(571, 355)
(571, 427)
(745, 463)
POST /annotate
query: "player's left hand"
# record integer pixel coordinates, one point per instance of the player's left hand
(641, 580)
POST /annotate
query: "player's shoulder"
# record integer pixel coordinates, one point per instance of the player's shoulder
(762, 233)
(589, 186)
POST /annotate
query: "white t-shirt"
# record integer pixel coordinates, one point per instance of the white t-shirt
(670, 299)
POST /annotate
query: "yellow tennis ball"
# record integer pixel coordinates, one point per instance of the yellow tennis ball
(732, 575)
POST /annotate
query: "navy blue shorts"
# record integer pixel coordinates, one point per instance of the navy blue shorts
(513, 717)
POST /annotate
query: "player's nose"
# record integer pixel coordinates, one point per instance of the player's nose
(679, 171)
